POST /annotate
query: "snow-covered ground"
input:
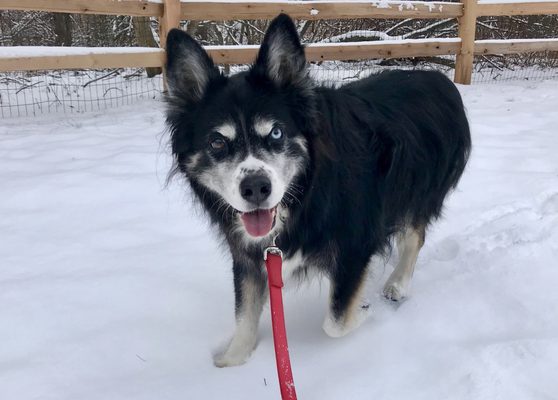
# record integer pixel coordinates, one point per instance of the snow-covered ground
(113, 287)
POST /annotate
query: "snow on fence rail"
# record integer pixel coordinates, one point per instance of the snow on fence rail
(171, 12)
(35, 58)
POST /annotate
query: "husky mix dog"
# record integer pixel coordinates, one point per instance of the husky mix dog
(330, 174)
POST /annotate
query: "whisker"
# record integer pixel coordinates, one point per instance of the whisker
(291, 193)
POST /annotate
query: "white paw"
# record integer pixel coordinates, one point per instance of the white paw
(229, 360)
(336, 329)
(394, 291)
(237, 353)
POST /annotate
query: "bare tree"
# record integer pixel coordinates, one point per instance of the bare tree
(145, 38)
(62, 29)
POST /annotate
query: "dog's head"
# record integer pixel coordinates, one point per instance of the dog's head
(244, 138)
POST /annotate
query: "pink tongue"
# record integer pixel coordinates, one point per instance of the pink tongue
(258, 223)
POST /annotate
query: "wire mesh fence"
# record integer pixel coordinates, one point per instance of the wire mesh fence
(486, 69)
(534, 66)
(31, 94)
(337, 73)
(526, 66)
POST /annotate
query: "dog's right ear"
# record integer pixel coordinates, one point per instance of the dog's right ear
(189, 67)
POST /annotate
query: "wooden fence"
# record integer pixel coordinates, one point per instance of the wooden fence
(171, 12)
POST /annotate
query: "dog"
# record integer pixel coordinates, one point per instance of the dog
(332, 175)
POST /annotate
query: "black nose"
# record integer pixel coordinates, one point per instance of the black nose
(255, 188)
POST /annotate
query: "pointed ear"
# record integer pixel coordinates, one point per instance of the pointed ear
(281, 56)
(189, 67)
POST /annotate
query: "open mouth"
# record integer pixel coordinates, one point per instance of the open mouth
(259, 222)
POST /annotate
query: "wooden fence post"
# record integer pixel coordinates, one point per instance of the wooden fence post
(467, 28)
(170, 19)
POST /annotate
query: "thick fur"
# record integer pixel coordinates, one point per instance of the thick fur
(360, 164)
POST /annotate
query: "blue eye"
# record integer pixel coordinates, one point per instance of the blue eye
(276, 133)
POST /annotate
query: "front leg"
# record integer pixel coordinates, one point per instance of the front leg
(348, 308)
(250, 296)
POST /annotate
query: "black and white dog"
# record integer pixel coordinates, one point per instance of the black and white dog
(331, 174)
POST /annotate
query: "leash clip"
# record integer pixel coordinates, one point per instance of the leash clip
(272, 250)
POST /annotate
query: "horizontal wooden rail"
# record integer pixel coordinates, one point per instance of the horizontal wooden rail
(231, 10)
(382, 49)
(236, 10)
(346, 51)
(490, 8)
(514, 46)
(25, 59)
(105, 7)
(44, 58)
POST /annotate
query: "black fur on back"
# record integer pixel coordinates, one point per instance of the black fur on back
(393, 144)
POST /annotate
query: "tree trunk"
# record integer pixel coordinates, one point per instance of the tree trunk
(62, 29)
(144, 38)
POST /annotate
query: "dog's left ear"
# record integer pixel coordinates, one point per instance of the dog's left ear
(281, 56)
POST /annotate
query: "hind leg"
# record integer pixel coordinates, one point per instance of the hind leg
(409, 243)
(348, 308)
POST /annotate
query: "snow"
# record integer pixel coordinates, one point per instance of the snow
(56, 51)
(113, 287)
(358, 33)
(383, 42)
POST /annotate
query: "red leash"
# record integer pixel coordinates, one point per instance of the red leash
(273, 263)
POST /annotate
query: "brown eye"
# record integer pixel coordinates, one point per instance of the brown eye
(217, 144)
